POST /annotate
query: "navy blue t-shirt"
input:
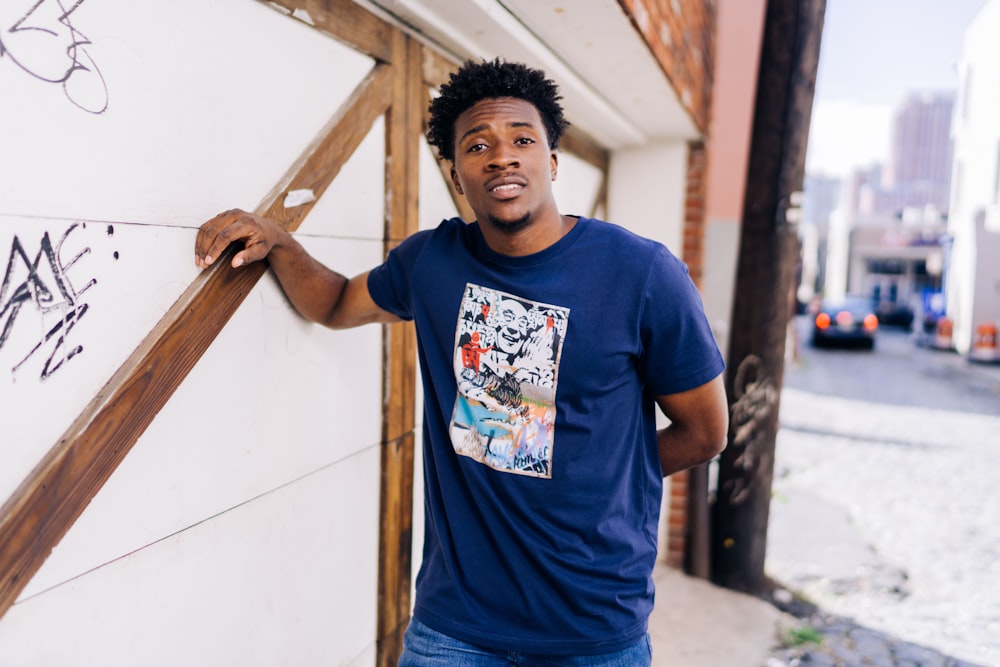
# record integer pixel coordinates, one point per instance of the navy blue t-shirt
(542, 477)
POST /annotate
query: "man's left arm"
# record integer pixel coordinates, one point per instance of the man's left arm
(699, 426)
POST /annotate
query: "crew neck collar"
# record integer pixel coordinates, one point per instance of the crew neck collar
(539, 257)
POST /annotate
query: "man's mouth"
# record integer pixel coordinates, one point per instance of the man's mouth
(506, 188)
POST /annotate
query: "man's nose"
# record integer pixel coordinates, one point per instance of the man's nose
(504, 158)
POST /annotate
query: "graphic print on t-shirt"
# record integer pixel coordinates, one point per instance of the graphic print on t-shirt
(507, 364)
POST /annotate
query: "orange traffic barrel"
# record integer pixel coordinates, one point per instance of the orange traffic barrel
(984, 344)
(943, 333)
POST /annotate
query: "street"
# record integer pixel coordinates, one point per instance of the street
(898, 372)
(885, 508)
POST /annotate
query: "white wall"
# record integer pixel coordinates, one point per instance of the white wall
(242, 527)
(986, 306)
(837, 254)
(976, 136)
(576, 186)
(646, 191)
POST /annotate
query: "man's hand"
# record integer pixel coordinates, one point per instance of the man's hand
(259, 235)
(318, 293)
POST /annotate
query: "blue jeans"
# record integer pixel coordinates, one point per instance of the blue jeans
(424, 647)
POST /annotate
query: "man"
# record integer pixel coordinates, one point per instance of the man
(546, 341)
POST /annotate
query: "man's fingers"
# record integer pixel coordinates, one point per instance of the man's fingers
(207, 234)
(253, 252)
(218, 233)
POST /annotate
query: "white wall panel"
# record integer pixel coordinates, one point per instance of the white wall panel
(646, 191)
(576, 185)
(435, 197)
(274, 398)
(207, 105)
(286, 579)
(123, 279)
(354, 204)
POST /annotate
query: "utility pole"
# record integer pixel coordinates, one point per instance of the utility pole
(765, 288)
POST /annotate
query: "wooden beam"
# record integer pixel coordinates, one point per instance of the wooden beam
(582, 146)
(403, 126)
(600, 203)
(458, 199)
(436, 68)
(53, 496)
(444, 167)
(345, 21)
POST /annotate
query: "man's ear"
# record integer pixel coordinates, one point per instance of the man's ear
(553, 163)
(454, 180)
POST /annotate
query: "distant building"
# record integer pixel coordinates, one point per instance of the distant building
(919, 170)
(918, 173)
(895, 262)
(893, 259)
(972, 282)
(884, 238)
(821, 195)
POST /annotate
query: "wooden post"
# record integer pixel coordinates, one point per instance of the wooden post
(764, 289)
(403, 128)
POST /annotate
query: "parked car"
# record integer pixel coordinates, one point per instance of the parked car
(849, 321)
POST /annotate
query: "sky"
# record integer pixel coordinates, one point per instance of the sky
(873, 54)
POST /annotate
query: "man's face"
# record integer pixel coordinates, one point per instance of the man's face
(513, 329)
(503, 164)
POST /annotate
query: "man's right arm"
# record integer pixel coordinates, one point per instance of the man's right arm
(317, 293)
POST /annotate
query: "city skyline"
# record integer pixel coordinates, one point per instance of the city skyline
(874, 55)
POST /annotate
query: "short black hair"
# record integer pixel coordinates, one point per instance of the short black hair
(489, 80)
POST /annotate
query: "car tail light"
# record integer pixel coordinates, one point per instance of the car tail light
(822, 320)
(871, 322)
(844, 318)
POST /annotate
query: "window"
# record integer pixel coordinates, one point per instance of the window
(890, 267)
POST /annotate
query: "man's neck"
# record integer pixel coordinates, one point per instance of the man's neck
(532, 238)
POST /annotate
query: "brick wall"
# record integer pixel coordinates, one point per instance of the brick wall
(696, 189)
(681, 36)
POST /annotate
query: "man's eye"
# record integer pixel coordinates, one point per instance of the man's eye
(525, 141)
(475, 148)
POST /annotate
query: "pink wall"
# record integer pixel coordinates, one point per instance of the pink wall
(739, 28)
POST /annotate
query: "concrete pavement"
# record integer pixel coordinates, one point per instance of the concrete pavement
(698, 624)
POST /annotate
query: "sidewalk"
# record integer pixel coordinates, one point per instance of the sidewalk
(699, 624)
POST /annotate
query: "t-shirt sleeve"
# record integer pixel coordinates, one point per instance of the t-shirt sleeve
(389, 283)
(679, 350)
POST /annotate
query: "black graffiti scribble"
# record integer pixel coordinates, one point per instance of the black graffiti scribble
(756, 400)
(44, 44)
(47, 287)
